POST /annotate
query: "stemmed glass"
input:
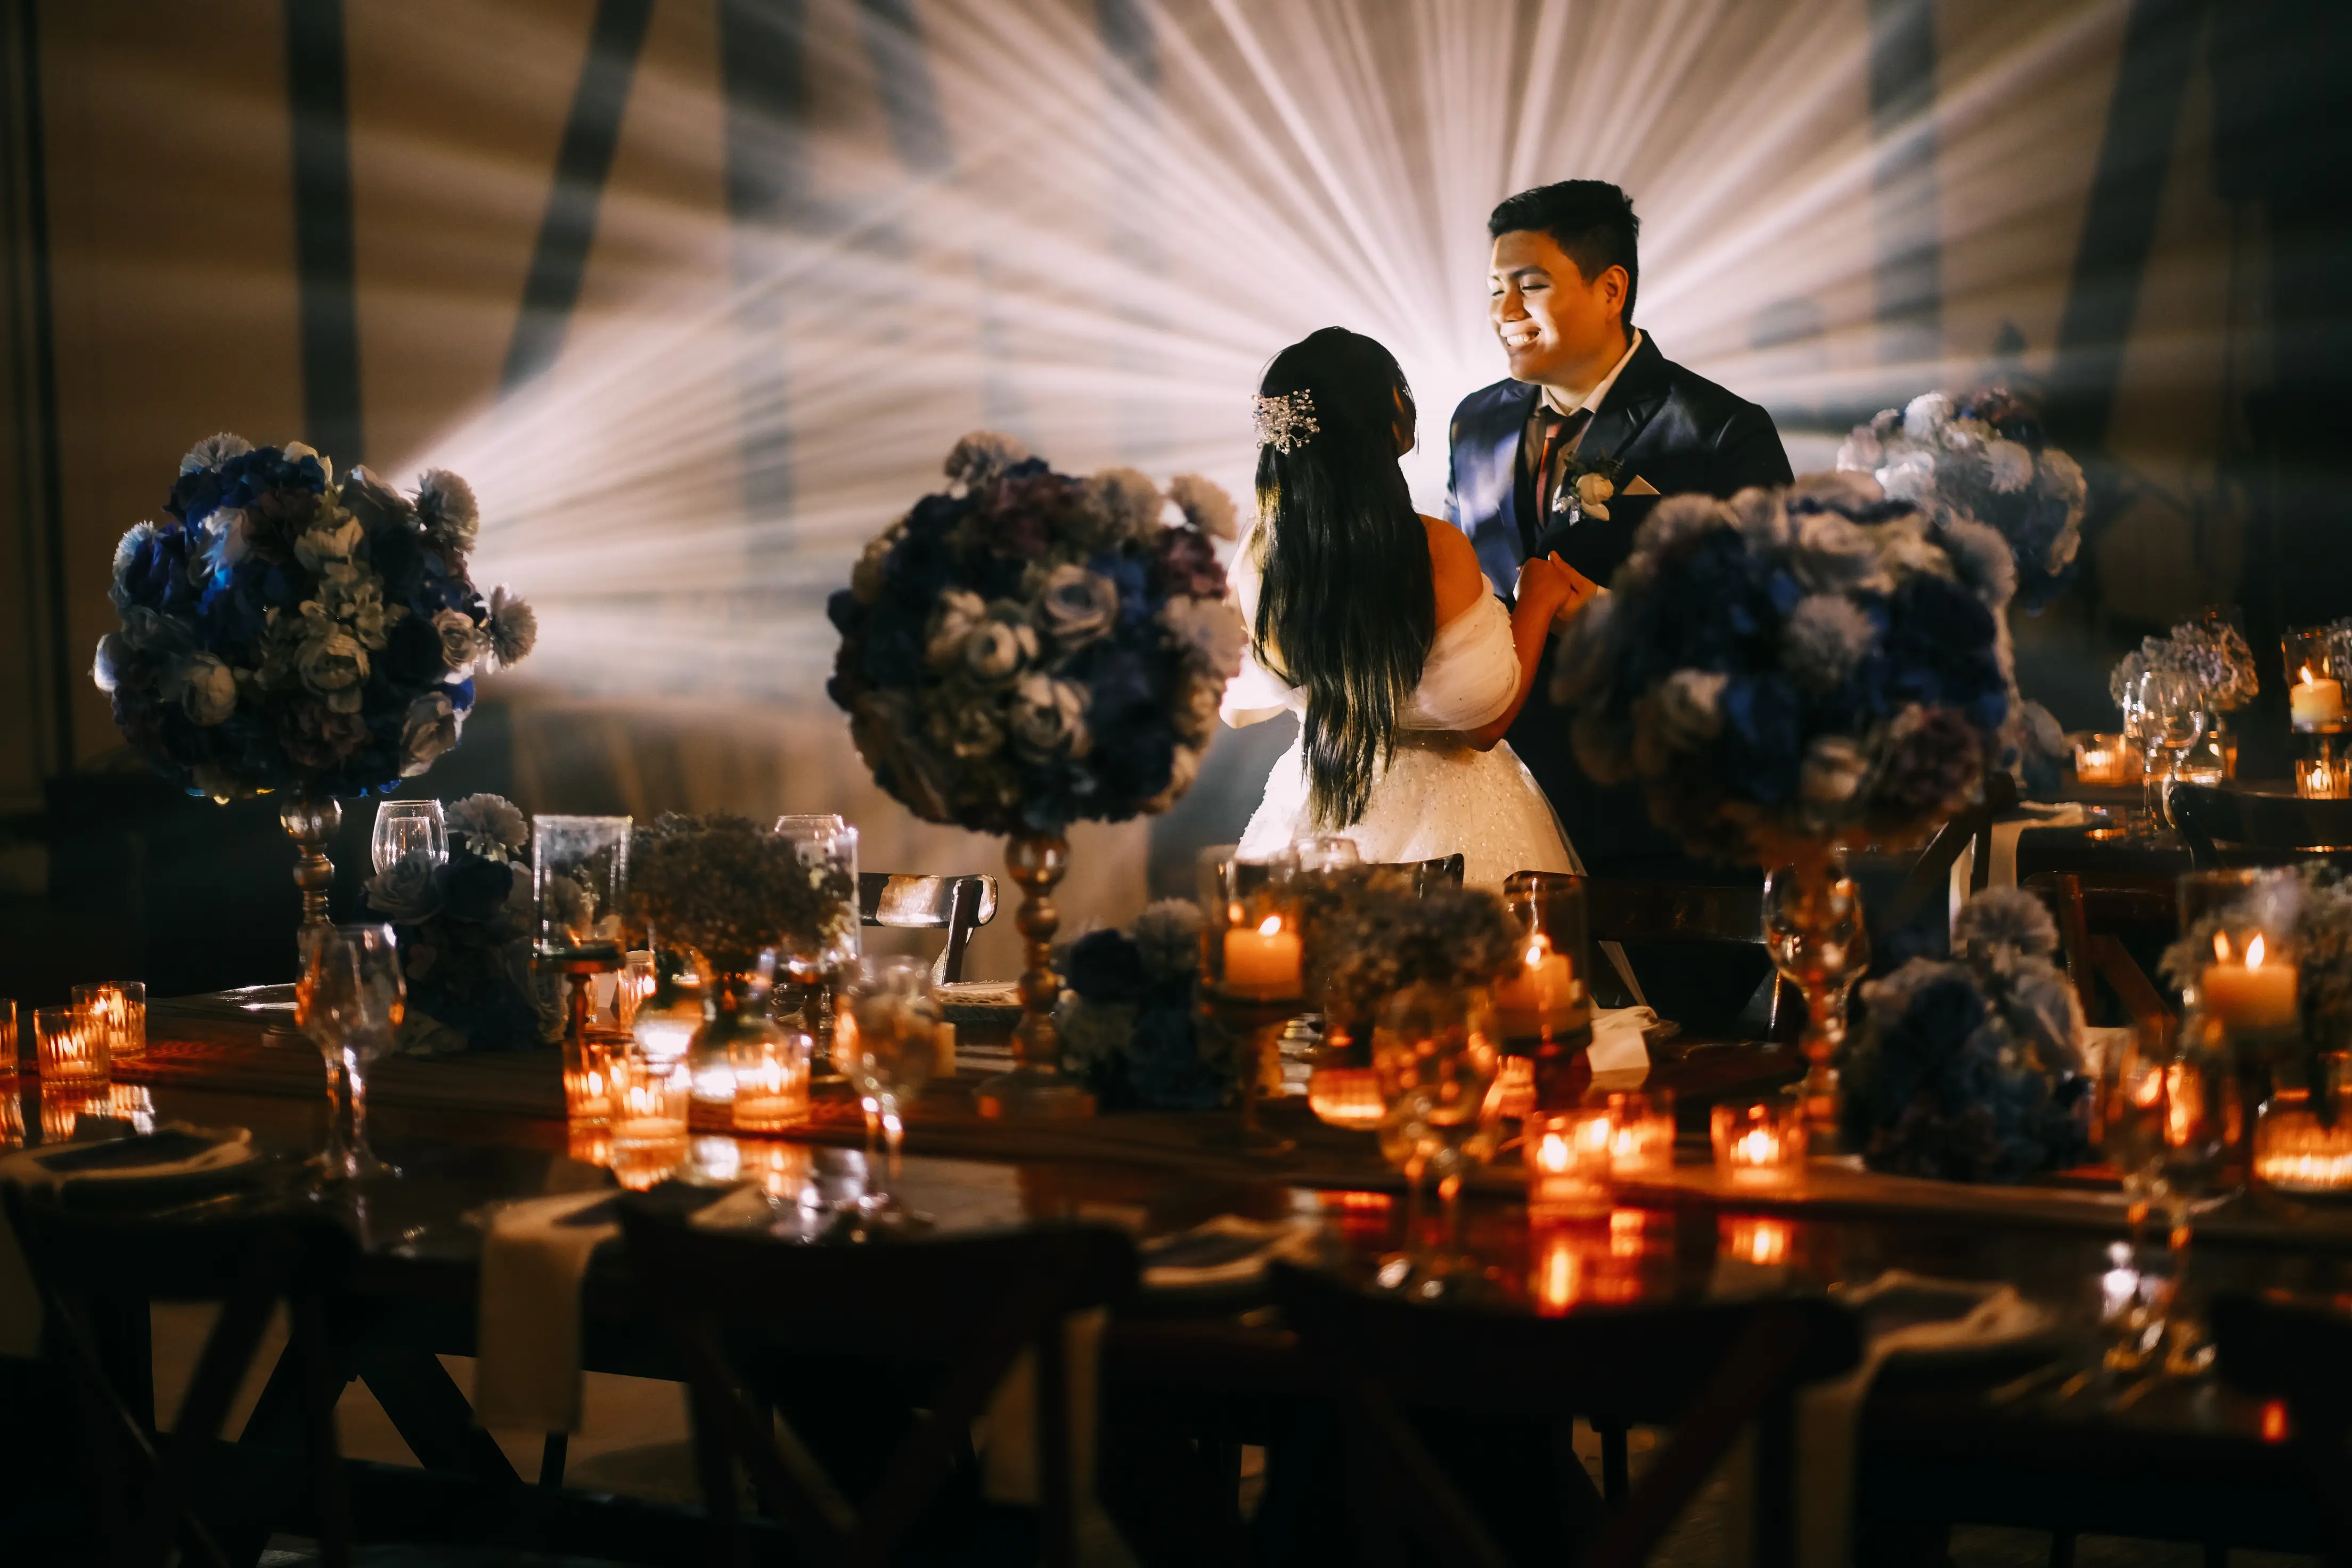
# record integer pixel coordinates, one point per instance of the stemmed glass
(1432, 1050)
(2173, 708)
(403, 827)
(886, 1042)
(350, 1001)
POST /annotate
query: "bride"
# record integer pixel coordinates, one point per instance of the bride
(1375, 626)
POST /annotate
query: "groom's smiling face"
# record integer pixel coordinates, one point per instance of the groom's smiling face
(1553, 322)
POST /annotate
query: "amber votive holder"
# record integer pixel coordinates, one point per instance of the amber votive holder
(2101, 759)
(70, 1050)
(1759, 1145)
(650, 1101)
(118, 1009)
(11, 1064)
(1641, 1133)
(588, 1074)
(1567, 1162)
(771, 1079)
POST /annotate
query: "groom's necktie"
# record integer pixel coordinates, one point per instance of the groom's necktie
(1561, 433)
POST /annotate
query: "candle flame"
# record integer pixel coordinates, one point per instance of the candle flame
(2306, 675)
(1268, 926)
(2221, 945)
(2254, 953)
(1535, 953)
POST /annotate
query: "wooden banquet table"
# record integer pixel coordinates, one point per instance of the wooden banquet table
(1965, 1440)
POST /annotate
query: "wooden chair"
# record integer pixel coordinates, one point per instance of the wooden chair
(1708, 1369)
(956, 905)
(969, 1306)
(2299, 1353)
(1618, 911)
(2094, 916)
(151, 1492)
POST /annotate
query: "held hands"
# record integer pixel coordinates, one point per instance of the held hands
(1550, 581)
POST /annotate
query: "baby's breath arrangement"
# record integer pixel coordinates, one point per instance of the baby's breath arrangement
(1376, 935)
(726, 887)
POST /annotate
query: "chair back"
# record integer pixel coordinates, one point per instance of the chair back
(2095, 914)
(96, 1273)
(971, 1306)
(2247, 823)
(956, 905)
(1709, 1369)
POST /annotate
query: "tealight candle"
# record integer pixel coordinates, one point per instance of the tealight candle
(2099, 760)
(71, 1049)
(1263, 961)
(118, 1009)
(1542, 995)
(588, 1077)
(1567, 1160)
(772, 1080)
(11, 1064)
(1642, 1135)
(649, 1120)
(2314, 702)
(2294, 1153)
(2250, 995)
(634, 984)
(1759, 1145)
(1347, 1097)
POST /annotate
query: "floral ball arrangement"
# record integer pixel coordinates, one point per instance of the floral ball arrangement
(1971, 1070)
(1819, 662)
(1030, 649)
(2212, 651)
(1372, 932)
(284, 629)
(1126, 1020)
(464, 926)
(1984, 458)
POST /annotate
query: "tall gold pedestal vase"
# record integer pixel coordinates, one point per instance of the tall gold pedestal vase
(1813, 928)
(311, 823)
(1037, 1085)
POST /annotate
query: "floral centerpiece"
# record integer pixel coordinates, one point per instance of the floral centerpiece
(2211, 650)
(1374, 935)
(1970, 1070)
(285, 630)
(723, 888)
(1982, 457)
(1790, 671)
(1030, 649)
(1789, 667)
(464, 926)
(1129, 1019)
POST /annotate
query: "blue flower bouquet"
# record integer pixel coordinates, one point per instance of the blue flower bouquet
(1805, 665)
(287, 630)
(465, 925)
(1031, 649)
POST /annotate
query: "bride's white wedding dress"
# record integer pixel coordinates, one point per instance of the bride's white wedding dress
(1438, 794)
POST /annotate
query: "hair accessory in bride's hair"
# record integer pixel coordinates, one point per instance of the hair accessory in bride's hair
(1284, 423)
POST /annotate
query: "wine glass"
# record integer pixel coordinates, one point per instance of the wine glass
(886, 1042)
(403, 827)
(2173, 714)
(2131, 1137)
(1432, 1051)
(349, 1000)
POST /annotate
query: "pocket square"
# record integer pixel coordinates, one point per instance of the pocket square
(1640, 487)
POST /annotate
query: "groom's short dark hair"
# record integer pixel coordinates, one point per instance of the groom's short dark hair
(1592, 220)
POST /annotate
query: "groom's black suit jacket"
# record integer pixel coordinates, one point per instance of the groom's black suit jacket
(1679, 431)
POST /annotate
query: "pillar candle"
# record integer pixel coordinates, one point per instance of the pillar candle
(1265, 961)
(2316, 700)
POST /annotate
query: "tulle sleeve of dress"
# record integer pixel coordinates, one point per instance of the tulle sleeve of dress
(1473, 671)
(1256, 693)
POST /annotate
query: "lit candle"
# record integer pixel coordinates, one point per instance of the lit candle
(771, 1083)
(1643, 1140)
(2250, 995)
(1759, 1146)
(2098, 763)
(2316, 701)
(1567, 1157)
(1348, 1096)
(71, 1049)
(1263, 962)
(2293, 1152)
(1543, 995)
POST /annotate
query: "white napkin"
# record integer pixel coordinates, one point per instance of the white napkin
(527, 1336)
(21, 1313)
(1829, 1414)
(1618, 1047)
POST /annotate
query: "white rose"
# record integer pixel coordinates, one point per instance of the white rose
(208, 688)
(1834, 770)
(336, 667)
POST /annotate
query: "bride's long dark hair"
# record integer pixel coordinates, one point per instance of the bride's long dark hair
(1348, 608)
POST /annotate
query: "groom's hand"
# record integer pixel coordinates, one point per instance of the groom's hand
(1575, 589)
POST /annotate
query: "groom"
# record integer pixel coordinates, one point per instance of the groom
(1587, 383)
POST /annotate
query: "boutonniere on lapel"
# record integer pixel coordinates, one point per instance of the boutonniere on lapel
(1587, 485)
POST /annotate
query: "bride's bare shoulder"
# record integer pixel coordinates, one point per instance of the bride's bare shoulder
(1453, 568)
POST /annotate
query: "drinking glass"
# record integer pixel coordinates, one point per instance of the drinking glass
(2131, 1138)
(886, 1042)
(2173, 710)
(403, 826)
(350, 1001)
(1432, 1049)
